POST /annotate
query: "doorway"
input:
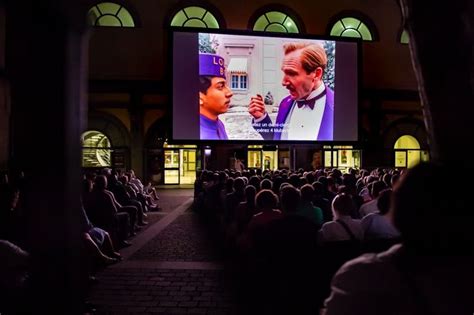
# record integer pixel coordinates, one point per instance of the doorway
(180, 164)
(187, 166)
(270, 160)
(408, 152)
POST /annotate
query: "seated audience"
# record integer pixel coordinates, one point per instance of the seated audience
(102, 211)
(286, 255)
(306, 207)
(378, 225)
(321, 202)
(14, 275)
(98, 242)
(431, 272)
(371, 206)
(343, 228)
(246, 209)
(266, 201)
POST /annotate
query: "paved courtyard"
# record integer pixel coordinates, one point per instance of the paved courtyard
(173, 267)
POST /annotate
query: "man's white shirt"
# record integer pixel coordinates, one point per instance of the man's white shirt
(304, 123)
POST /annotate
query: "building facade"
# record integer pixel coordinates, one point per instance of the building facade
(129, 106)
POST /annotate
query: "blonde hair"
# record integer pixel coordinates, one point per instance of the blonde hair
(312, 55)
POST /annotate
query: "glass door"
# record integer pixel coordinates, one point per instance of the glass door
(400, 158)
(348, 158)
(331, 158)
(270, 160)
(171, 167)
(413, 157)
(284, 159)
(254, 159)
(187, 166)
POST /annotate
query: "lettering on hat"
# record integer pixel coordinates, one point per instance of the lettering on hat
(211, 65)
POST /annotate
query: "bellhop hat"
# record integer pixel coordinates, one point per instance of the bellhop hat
(211, 65)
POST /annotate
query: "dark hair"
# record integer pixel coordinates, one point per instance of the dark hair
(239, 184)
(204, 83)
(289, 198)
(318, 188)
(307, 192)
(383, 201)
(266, 184)
(294, 180)
(250, 193)
(100, 182)
(377, 187)
(255, 182)
(266, 199)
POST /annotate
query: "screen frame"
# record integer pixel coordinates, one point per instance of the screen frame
(172, 30)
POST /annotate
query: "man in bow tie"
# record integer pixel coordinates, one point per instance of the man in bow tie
(308, 112)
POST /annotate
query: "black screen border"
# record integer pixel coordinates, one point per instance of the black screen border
(172, 30)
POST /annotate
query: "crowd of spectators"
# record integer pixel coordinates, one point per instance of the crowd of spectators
(113, 208)
(291, 236)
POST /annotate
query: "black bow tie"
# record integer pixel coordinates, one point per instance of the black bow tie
(310, 103)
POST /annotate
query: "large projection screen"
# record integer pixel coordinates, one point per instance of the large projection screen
(254, 65)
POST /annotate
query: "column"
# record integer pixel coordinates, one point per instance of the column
(442, 46)
(137, 134)
(46, 65)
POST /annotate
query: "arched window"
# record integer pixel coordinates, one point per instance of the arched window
(96, 151)
(275, 21)
(351, 27)
(195, 17)
(404, 39)
(408, 153)
(110, 14)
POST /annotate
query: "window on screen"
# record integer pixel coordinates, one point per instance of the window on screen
(239, 82)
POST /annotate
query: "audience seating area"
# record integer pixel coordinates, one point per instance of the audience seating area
(114, 207)
(280, 234)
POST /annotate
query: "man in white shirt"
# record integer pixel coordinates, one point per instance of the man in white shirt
(308, 112)
(343, 228)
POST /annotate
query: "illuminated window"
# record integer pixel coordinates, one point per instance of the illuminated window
(194, 17)
(275, 21)
(238, 70)
(110, 14)
(351, 27)
(408, 153)
(96, 151)
(404, 39)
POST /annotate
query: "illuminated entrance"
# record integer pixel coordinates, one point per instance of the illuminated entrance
(408, 152)
(260, 157)
(341, 157)
(180, 163)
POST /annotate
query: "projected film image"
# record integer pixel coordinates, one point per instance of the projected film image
(265, 88)
(253, 87)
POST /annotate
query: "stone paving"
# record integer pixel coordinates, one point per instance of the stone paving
(152, 218)
(183, 240)
(172, 267)
(165, 291)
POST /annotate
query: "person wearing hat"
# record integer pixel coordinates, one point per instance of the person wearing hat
(214, 96)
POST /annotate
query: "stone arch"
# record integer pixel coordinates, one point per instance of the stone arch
(157, 134)
(111, 126)
(405, 126)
